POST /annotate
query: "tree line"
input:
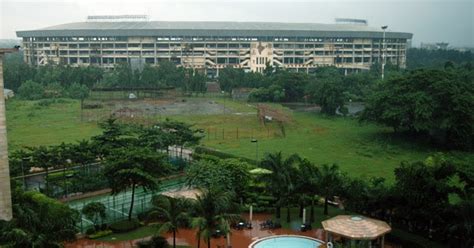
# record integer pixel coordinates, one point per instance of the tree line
(53, 81)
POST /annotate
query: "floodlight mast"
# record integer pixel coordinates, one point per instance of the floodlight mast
(383, 51)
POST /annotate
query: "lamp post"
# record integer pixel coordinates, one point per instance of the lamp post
(256, 149)
(223, 95)
(383, 51)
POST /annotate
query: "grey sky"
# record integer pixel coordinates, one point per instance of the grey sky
(429, 20)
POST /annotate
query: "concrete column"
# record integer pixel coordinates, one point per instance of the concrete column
(5, 191)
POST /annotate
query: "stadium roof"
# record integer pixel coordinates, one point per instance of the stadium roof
(233, 29)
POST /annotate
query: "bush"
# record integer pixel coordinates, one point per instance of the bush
(90, 231)
(200, 150)
(31, 90)
(124, 226)
(53, 90)
(78, 91)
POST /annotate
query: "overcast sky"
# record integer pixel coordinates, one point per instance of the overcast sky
(429, 20)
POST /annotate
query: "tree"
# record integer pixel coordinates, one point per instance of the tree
(329, 182)
(172, 211)
(95, 211)
(181, 133)
(292, 83)
(230, 78)
(327, 90)
(78, 91)
(214, 211)
(230, 174)
(31, 90)
(113, 136)
(307, 183)
(45, 158)
(422, 193)
(435, 103)
(279, 183)
(195, 82)
(134, 167)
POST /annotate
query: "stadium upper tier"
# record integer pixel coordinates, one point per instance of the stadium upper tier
(234, 29)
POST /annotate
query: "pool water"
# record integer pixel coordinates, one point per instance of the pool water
(287, 242)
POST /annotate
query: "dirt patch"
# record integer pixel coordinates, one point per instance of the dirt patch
(150, 108)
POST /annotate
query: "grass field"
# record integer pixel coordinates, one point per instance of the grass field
(359, 149)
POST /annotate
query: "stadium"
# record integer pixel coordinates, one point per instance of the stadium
(349, 44)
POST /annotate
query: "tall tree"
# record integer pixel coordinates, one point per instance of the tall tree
(279, 183)
(329, 183)
(132, 167)
(434, 103)
(173, 211)
(214, 209)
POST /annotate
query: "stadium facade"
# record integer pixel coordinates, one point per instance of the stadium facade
(210, 46)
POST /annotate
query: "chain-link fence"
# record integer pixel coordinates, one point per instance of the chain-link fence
(118, 206)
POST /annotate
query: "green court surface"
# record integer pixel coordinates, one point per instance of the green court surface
(118, 206)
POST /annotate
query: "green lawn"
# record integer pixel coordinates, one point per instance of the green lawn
(29, 124)
(359, 149)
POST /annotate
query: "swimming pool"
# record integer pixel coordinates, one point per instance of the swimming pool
(286, 241)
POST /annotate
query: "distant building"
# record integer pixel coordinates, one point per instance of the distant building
(434, 46)
(349, 44)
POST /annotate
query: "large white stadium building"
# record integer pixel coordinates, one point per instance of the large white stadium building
(209, 46)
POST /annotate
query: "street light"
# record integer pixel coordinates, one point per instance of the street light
(223, 95)
(256, 149)
(383, 51)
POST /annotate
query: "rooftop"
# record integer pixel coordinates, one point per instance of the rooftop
(165, 28)
(356, 227)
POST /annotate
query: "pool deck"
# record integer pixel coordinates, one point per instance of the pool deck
(239, 238)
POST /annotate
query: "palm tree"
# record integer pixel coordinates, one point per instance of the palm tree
(308, 175)
(172, 211)
(280, 182)
(329, 181)
(212, 208)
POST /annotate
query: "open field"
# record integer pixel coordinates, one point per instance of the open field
(359, 149)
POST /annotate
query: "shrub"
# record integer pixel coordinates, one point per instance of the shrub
(200, 150)
(53, 90)
(90, 231)
(124, 226)
(31, 90)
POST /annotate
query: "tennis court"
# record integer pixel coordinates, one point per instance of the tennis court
(118, 205)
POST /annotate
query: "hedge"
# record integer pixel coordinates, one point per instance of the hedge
(200, 152)
(124, 226)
